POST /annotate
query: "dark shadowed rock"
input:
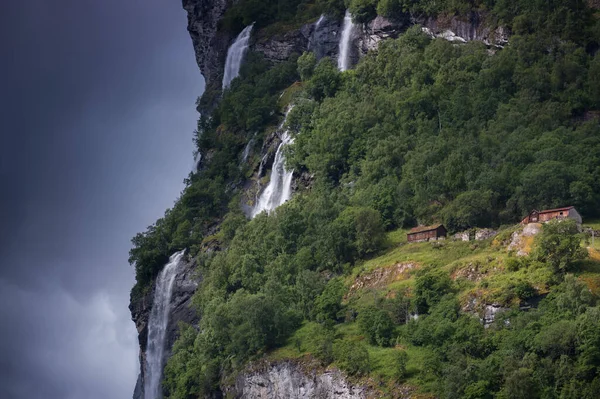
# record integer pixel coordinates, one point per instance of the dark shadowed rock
(280, 47)
(324, 40)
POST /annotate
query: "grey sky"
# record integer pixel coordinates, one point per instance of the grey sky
(96, 121)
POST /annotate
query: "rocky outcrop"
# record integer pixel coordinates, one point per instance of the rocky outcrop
(280, 47)
(522, 241)
(379, 29)
(210, 45)
(325, 38)
(288, 380)
(322, 37)
(184, 287)
(465, 29)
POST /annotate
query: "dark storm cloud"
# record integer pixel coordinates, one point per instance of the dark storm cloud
(97, 114)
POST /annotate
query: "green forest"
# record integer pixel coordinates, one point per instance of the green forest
(421, 131)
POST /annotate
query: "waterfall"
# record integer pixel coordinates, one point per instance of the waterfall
(320, 21)
(157, 327)
(235, 56)
(247, 149)
(345, 43)
(279, 189)
(197, 160)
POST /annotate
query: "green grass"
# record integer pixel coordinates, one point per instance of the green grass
(480, 269)
(593, 223)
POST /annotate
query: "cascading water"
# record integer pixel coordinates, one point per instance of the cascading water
(345, 43)
(319, 21)
(157, 327)
(197, 161)
(235, 56)
(279, 189)
(247, 149)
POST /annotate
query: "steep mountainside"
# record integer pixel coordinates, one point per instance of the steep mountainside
(466, 113)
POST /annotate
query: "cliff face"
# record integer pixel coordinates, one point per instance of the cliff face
(210, 45)
(287, 380)
(184, 287)
(473, 27)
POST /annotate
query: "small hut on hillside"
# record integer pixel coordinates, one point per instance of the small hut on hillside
(568, 212)
(427, 233)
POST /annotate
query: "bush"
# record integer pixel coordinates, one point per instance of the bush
(352, 357)
(399, 365)
(329, 304)
(325, 80)
(559, 245)
(306, 65)
(524, 290)
(430, 287)
(363, 11)
(377, 325)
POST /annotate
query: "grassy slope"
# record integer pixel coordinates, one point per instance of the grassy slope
(479, 270)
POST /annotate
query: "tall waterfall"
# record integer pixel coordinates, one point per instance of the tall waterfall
(235, 56)
(345, 43)
(157, 327)
(279, 189)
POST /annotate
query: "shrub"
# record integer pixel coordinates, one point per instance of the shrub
(559, 245)
(377, 325)
(352, 357)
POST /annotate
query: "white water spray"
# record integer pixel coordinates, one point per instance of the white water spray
(157, 327)
(235, 56)
(197, 160)
(247, 149)
(279, 189)
(319, 21)
(345, 43)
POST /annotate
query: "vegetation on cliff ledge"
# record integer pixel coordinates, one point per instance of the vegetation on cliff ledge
(421, 131)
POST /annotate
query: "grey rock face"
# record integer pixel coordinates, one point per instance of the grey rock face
(490, 312)
(281, 46)
(324, 39)
(184, 287)
(377, 30)
(462, 30)
(210, 46)
(287, 380)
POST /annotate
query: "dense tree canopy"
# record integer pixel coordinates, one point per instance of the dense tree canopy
(421, 131)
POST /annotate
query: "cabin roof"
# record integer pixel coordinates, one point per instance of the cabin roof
(421, 229)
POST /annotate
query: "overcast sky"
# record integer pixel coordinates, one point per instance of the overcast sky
(96, 120)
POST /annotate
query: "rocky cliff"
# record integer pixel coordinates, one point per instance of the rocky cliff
(210, 44)
(288, 380)
(322, 37)
(184, 287)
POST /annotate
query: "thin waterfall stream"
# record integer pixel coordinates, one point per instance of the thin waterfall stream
(279, 189)
(345, 43)
(235, 56)
(157, 327)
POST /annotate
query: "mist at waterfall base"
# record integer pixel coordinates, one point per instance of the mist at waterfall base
(97, 118)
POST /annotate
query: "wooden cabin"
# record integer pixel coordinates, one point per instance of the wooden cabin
(568, 212)
(427, 233)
